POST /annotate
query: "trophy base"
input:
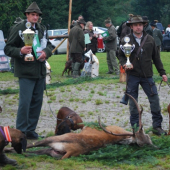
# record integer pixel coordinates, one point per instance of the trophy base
(29, 57)
(128, 65)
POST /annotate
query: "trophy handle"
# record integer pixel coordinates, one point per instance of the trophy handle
(20, 34)
(122, 48)
(133, 47)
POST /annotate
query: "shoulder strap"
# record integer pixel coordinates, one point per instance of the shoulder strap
(141, 45)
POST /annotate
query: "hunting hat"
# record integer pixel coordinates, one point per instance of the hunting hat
(153, 24)
(130, 16)
(81, 21)
(33, 8)
(18, 20)
(135, 19)
(107, 21)
(145, 18)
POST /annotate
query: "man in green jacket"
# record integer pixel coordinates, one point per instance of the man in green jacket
(157, 35)
(77, 46)
(31, 74)
(141, 72)
(111, 47)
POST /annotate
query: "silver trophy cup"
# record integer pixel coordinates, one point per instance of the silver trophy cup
(27, 36)
(127, 49)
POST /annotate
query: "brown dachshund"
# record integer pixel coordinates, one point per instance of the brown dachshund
(67, 120)
(18, 142)
(89, 139)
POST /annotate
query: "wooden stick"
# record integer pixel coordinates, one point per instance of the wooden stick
(69, 22)
(58, 45)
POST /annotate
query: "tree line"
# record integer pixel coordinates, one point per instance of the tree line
(55, 12)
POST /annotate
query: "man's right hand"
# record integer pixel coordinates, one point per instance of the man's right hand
(127, 68)
(26, 50)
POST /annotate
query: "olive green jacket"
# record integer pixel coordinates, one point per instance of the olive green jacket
(76, 40)
(26, 69)
(111, 40)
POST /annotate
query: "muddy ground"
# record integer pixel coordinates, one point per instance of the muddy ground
(88, 100)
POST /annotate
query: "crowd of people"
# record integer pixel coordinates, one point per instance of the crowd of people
(32, 73)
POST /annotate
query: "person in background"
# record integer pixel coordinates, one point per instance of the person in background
(93, 37)
(125, 29)
(147, 27)
(167, 29)
(141, 72)
(31, 74)
(73, 23)
(111, 47)
(77, 46)
(157, 35)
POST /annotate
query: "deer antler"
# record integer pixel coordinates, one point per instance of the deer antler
(125, 134)
(139, 111)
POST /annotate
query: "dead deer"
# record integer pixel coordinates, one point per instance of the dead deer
(67, 120)
(89, 139)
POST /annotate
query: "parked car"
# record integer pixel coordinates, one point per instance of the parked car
(63, 47)
(166, 42)
(56, 32)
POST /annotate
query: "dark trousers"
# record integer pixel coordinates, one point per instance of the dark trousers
(151, 92)
(30, 103)
(76, 57)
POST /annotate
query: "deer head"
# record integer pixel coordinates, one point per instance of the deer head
(139, 137)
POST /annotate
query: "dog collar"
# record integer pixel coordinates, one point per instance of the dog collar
(7, 134)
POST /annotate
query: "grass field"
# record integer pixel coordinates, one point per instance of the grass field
(112, 157)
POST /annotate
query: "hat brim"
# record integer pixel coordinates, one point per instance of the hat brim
(16, 22)
(128, 23)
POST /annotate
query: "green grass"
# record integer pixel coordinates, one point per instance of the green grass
(110, 157)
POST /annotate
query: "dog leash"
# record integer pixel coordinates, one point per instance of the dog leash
(161, 84)
(49, 105)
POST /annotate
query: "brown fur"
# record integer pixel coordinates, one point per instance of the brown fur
(68, 67)
(19, 142)
(66, 116)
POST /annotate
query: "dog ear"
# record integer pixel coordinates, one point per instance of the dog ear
(63, 129)
(24, 144)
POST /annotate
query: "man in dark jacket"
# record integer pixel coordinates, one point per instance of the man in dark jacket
(77, 46)
(141, 73)
(157, 35)
(31, 74)
(111, 47)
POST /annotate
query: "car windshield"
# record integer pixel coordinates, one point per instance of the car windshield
(57, 32)
(49, 33)
(103, 29)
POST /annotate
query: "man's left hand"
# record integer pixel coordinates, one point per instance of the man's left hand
(164, 78)
(42, 57)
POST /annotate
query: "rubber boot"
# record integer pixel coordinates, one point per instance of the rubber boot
(76, 70)
(4, 160)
